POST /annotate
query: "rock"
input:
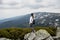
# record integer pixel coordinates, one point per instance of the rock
(4, 39)
(58, 32)
(30, 36)
(39, 35)
(43, 34)
(57, 37)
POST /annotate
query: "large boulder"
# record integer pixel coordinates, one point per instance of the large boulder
(30, 36)
(43, 34)
(39, 35)
(58, 32)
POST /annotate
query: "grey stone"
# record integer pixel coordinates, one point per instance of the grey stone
(30, 36)
(4, 39)
(39, 35)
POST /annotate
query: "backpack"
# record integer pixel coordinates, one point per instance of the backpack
(33, 21)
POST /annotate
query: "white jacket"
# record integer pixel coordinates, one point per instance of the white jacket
(31, 20)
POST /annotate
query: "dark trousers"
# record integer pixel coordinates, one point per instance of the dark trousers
(32, 27)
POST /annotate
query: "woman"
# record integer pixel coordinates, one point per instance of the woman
(32, 21)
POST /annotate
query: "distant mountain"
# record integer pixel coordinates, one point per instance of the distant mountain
(9, 19)
(42, 19)
(18, 21)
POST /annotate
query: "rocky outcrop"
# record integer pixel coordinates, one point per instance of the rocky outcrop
(57, 37)
(4, 39)
(39, 35)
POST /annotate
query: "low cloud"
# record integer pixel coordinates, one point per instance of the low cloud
(11, 8)
(33, 4)
(36, 4)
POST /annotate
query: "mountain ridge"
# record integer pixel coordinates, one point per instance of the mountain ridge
(42, 19)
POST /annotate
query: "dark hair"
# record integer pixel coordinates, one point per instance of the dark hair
(31, 14)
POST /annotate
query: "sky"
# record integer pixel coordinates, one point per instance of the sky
(12, 8)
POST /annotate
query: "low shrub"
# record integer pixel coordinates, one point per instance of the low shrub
(16, 33)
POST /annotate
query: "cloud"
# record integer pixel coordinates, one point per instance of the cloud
(33, 4)
(11, 8)
(38, 0)
(36, 4)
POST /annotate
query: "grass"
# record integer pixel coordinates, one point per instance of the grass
(15, 33)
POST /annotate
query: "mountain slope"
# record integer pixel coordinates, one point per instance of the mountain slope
(42, 19)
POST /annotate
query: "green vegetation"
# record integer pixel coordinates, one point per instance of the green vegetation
(15, 33)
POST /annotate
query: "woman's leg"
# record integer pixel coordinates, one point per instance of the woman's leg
(32, 27)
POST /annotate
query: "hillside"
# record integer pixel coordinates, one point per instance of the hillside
(19, 33)
(42, 19)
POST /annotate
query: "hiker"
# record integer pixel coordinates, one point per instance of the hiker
(32, 21)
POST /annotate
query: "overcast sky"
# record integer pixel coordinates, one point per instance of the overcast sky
(11, 8)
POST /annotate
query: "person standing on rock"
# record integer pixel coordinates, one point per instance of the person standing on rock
(32, 21)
